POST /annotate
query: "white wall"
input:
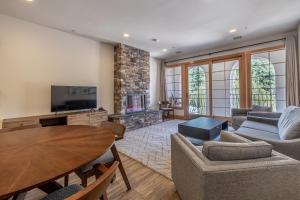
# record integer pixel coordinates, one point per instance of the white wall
(154, 82)
(33, 57)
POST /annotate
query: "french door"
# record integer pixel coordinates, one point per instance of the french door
(213, 88)
(198, 90)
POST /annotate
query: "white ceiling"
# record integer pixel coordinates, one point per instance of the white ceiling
(180, 25)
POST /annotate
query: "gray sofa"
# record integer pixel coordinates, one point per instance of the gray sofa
(198, 178)
(239, 115)
(280, 130)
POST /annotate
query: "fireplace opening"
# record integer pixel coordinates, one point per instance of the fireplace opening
(135, 103)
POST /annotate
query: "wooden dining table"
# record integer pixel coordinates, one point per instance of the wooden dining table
(36, 157)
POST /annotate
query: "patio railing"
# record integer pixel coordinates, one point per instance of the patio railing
(198, 103)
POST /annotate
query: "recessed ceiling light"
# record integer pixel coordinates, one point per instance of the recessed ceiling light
(29, 0)
(126, 35)
(233, 30)
(165, 50)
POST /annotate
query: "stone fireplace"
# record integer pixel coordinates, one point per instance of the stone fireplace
(131, 88)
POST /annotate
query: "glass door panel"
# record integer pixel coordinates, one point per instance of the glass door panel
(268, 79)
(198, 90)
(225, 87)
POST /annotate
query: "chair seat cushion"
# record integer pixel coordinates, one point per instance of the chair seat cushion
(105, 158)
(260, 126)
(63, 193)
(229, 151)
(255, 134)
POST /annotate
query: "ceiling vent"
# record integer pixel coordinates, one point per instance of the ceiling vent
(237, 37)
(155, 40)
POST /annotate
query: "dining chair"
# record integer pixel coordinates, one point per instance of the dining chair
(165, 107)
(107, 159)
(118, 129)
(93, 191)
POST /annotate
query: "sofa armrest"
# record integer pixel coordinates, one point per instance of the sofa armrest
(274, 115)
(270, 121)
(290, 148)
(226, 136)
(240, 111)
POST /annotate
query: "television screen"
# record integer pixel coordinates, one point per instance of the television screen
(67, 98)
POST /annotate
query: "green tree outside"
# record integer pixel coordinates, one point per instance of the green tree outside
(263, 83)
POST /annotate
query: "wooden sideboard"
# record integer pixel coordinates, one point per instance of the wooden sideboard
(91, 118)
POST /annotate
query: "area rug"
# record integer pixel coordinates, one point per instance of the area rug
(151, 146)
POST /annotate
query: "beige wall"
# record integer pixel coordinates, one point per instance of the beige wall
(33, 57)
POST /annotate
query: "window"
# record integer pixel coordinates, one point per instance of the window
(198, 89)
(225, 87)
(174, 91)
(268, 79)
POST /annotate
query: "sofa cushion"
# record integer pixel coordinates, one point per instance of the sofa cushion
(255, 134)
(228, 151)
(261, 108)
(289, 123)
(260, 126)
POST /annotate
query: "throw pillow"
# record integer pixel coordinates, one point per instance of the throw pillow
(228, 151)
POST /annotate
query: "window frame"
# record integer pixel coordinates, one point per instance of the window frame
(249, 77)
(181, 86)
(245, 76)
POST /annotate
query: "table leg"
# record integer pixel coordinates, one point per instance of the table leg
(66, 181)
(121, 168)
(20, 196)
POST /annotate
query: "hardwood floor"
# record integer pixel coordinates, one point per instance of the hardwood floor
(146, 184)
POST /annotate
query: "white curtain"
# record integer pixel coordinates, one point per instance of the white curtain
(292, 69)
(163, 95)
(155, 65)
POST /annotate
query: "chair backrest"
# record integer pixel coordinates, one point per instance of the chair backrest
(98, 188)
(164, 104)
(19, 128)
(261, 108)
(117, 129)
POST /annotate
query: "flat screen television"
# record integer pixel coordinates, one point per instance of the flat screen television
(68, 98)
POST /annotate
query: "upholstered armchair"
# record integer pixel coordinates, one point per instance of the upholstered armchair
(269, 176)
(239, 115)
